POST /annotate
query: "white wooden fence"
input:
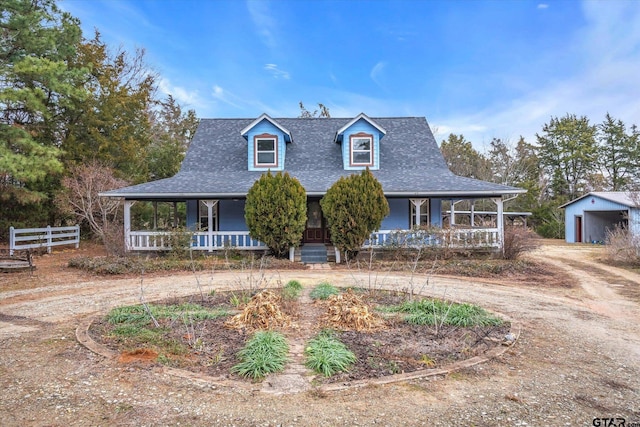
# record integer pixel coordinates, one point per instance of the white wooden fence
(455, 238)
(31, 238)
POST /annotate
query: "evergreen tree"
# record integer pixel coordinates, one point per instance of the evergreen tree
(354, 207)
(37, 88)
(276, 212)
(618, 153)
(464, 160)
(568, 152)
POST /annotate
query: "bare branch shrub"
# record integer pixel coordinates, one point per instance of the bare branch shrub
(518, 240)
(622, 246)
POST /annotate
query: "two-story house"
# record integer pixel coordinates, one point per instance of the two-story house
(227, 156)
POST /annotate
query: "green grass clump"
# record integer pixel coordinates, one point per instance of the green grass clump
(327, 355)
(264, 354)
(138, 315)
(292, 290)
(323, 291)
(433, 311)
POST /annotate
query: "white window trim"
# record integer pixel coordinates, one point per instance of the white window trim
(370, 150)
(263, 137)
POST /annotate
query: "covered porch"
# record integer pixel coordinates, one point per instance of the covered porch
(218, 224)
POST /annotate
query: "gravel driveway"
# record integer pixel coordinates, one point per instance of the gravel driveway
(578, 357)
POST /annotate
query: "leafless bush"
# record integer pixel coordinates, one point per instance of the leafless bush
(113, 238)
(518, 240)
(622, 246)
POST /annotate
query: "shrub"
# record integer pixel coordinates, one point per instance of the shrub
(518, 240)
(327, 356)
(276, 212)
(622, 246)
(354, 207)
(433, 312)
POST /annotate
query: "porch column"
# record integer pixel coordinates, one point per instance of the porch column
(127, 223)
(452, 211)
(417, 203)
(210, 204)
(155, 216)
(500, 220)
(472, 220)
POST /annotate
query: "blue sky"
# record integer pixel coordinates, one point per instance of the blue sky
(483, 69)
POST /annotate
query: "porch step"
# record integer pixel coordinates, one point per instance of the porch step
(313, 254)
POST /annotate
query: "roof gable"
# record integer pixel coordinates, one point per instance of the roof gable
(628, 199)
(244, 132)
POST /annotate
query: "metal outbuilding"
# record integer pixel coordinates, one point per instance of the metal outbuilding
(590, 217)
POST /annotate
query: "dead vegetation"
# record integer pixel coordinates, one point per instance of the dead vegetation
(263, 311)
(348, 311)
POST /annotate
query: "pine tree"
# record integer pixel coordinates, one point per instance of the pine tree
(354, 207)
(276, 212)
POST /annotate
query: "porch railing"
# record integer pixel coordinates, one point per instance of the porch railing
(463, 238)
(455, 238)
(200, 240)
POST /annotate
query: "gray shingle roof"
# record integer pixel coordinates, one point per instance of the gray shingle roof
(411, 163)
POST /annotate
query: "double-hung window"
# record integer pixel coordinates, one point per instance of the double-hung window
(361, 148)
(265, 150)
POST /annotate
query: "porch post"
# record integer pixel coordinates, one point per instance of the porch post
(417, 203)
(500, 220)
(452, 220)
(127, 223)
(210, 204)
(155, 216)
(473, 214)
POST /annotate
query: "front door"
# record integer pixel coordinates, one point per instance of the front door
(315, 231)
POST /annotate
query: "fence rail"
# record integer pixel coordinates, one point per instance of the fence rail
(32, 238)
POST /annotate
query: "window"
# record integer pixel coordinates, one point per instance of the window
(361, 146)
(203, 215)
(266, 150)
(424, 214)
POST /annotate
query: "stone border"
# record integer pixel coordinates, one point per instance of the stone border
(83, 337)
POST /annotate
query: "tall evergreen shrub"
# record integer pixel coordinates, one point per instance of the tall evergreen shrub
(276, 212)
(354, 207)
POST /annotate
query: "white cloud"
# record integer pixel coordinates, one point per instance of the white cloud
(606, 83)
(376, 72)
(543, 6)
(185, 97)
(276, 72)
(263, 21)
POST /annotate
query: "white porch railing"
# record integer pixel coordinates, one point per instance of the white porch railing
(31, 238)
(455, 238)
(200, 240)
(461, 238)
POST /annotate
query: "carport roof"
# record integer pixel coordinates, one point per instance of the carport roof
(626, 198)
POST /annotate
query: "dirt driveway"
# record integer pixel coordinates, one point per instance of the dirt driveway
(578, 357)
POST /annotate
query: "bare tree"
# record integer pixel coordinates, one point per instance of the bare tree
(79, 196)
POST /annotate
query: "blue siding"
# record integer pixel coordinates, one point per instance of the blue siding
(361, 126)
(398, 218)
(436, 213)
(192, 214)
(231, 215)
(265, 127)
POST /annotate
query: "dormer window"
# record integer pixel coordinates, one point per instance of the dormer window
(361, 148)
(265, 150)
